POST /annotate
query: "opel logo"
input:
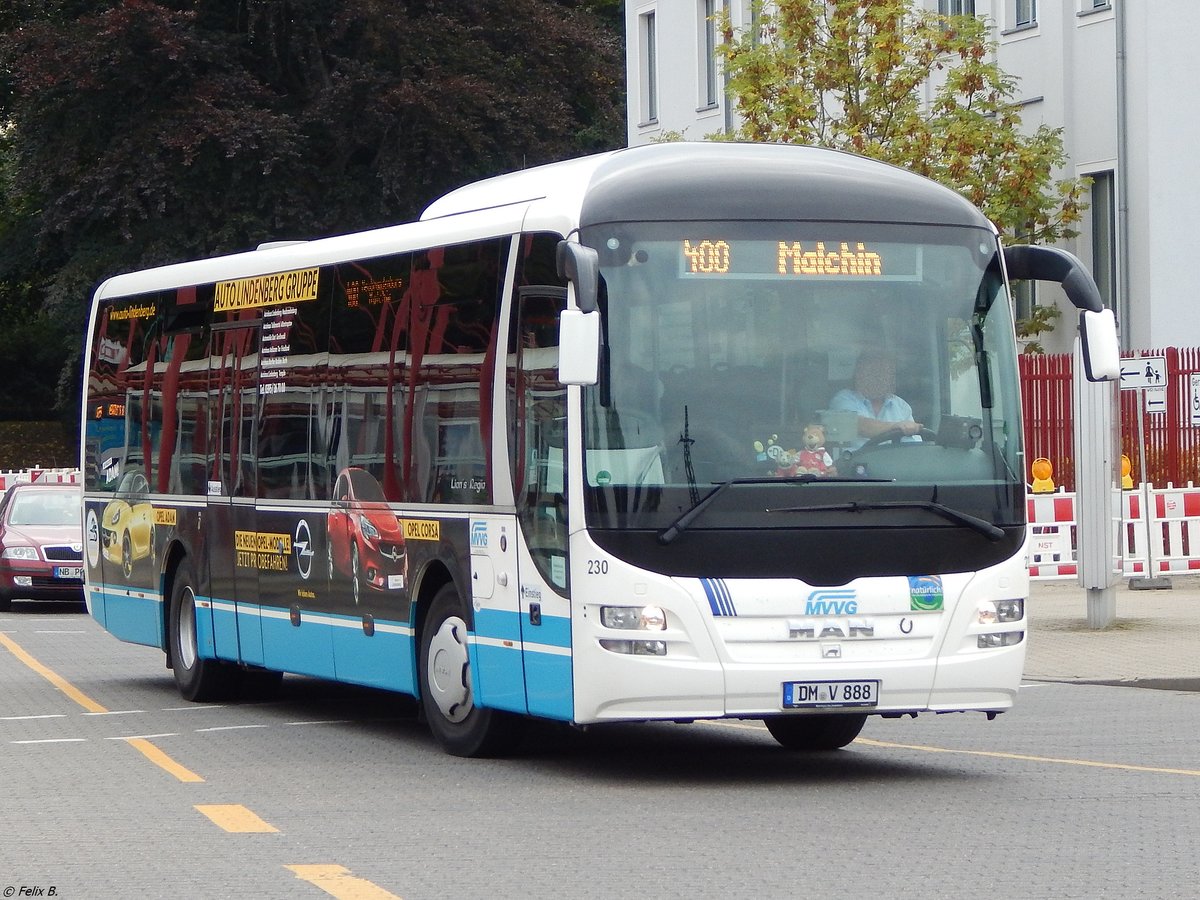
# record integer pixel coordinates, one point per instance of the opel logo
(303, 549)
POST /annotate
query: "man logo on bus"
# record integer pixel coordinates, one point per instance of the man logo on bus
(925, 592)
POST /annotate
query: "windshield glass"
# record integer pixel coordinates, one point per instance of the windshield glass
(877, 360)
(45, 508)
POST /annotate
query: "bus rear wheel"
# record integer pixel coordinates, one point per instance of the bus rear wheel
(826, 731)
(447, 692)
(198, 679)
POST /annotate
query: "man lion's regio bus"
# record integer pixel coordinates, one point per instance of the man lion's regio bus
(543, 453)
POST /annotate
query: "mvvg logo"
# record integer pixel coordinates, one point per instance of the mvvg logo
(479, 533)
(831, 603)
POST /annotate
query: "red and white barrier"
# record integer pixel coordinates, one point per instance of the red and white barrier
(26, 476)
(1172, 533)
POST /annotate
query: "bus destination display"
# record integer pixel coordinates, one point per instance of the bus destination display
(780, 258)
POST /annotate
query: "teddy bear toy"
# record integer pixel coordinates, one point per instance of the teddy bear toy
(810, 459)
(813, 459)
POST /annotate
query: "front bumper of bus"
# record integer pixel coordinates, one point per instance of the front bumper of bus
(733, 658)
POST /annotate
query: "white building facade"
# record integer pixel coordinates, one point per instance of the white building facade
(1115, 75)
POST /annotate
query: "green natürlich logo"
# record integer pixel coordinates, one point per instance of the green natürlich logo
(925, 592)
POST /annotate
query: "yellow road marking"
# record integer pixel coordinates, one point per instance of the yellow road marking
(235, 818)
(995, 754)
(1092, 764)
(147, 749)
(338, 881)
(50, 675)
(161, 760)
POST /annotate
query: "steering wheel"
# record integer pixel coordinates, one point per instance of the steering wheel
(895, 436)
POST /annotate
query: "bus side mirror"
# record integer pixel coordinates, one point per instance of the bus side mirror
(581, 266)
(1098, 341)
(1097, 325)
(578, 347)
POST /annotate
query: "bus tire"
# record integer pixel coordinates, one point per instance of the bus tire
(826, 731)
(447, 698)
(198, 679)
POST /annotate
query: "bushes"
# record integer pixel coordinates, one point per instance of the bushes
(47, 444)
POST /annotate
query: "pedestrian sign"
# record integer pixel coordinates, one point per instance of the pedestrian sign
(1144, 372)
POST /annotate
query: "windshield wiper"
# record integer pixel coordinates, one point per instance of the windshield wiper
(984, 527)
(676, 528)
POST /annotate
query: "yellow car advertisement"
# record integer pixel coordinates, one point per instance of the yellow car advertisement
(127, 526)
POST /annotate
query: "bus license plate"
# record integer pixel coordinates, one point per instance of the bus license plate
(828, 694)
(74, 573)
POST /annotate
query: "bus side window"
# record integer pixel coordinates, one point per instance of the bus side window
(540, 448)
(456, 300)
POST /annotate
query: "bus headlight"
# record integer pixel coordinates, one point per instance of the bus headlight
(633, 618)
(1000, 639)
(636, 648)
(994, 611)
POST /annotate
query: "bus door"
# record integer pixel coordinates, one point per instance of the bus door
(232, 473)
(538, 447)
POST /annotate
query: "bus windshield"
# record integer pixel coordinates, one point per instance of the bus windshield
(843, 363)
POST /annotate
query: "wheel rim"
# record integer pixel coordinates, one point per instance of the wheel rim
(354, 570)
(187, 629)
(126, 556)
(449, 671)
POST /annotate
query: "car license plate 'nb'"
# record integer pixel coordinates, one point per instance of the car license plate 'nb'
(829, 694)
(71, 573)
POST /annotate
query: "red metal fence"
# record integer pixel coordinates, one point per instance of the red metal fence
(1172, 443)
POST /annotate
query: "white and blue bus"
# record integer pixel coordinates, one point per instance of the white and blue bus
(571, 447)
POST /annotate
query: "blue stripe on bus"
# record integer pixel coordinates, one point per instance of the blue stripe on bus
(323, 647)
(719, 599)
(225, 632)
(306, 649)
(501, 624)
(386, 659)
(133, 616)
(501, 681)
(555, 631)
(551, 689)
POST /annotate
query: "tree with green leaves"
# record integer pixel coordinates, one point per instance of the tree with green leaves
(139, 132)
(890, 80)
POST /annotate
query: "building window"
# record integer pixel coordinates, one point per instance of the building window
(1025, 13)
(1024, 295)
(1104, 235)
(956, 7)
(648, 33)
(708, 54)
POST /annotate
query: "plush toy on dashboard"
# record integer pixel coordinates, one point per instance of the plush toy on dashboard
(810, 459)
(813, 458)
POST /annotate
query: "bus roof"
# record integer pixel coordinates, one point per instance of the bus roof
(691, 180)
(684, 181)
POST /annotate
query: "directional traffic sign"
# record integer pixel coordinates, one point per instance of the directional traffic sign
(1144, 372)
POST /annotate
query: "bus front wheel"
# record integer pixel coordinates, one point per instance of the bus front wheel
(447, 691)
(197, 679)
(827, 731)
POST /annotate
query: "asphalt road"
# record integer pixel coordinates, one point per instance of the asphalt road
(111, 786)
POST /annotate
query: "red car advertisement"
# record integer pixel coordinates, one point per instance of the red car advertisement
(365, 539)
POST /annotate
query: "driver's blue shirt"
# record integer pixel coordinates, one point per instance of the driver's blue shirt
(893, 410)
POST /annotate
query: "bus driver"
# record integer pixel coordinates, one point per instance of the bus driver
(874, 400)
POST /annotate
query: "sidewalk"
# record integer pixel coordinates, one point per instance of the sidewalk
(1154, 641)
